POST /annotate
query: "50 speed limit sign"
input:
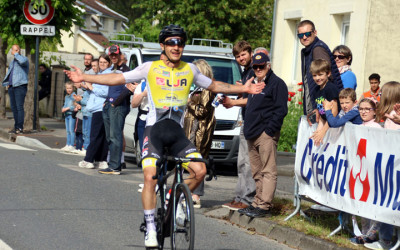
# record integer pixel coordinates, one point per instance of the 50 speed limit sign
(41, 15)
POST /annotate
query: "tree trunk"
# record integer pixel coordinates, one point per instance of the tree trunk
(28, 106)
(3, 65)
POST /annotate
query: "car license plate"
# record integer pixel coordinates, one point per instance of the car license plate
(217, 145)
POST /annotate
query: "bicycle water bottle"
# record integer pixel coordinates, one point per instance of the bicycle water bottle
(219, 98)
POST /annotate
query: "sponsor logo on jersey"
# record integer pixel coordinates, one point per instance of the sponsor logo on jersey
(166, 73)
(160, 81)
(191, 150)
(183, 73)
(157, 71)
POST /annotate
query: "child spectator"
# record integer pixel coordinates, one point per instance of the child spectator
(374, 91)
(349, 109)
(386, 108)
(390, 97)
(68, 109)
(369, 228)
(367, 109)
(321, 71)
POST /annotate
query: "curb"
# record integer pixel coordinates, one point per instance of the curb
(26, 141)
(272, 230)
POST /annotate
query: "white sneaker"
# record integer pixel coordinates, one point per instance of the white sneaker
(151, 239)
(103, 165)
(82, 152)
(76, 151)
(180, 215)
(85, 164)
(378, 245)
(66, 148)
(69, 149)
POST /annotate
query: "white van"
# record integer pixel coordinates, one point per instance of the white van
(226, 136)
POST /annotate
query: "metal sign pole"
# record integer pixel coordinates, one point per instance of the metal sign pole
(36, 81)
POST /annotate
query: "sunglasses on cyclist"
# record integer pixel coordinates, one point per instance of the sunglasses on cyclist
(341, 57)
(174, 42)
(255, 67)
(307, 34)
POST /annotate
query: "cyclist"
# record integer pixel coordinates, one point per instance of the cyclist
(169, 81)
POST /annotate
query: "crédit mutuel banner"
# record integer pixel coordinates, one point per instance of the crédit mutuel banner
(356, 170)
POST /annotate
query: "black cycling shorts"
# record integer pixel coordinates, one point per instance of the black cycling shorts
(166, 134)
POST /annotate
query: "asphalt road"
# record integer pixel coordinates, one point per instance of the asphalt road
(47, 202)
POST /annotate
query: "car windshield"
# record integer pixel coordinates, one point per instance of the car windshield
(225, 70)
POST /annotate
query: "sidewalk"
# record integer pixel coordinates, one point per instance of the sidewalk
(54, 137)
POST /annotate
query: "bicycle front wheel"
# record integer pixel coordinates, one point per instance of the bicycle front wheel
(182, 221)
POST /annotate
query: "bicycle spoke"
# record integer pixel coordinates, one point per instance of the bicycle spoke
(182, 223)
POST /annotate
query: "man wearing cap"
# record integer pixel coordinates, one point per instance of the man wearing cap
(245, 186)
(262, 124)
(114, 112)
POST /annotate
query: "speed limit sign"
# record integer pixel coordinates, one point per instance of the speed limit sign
(41, 15)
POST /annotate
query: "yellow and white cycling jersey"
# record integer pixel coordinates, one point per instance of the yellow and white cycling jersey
(168, 88)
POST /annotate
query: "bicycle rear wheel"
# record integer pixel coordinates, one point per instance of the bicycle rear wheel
(182, 221)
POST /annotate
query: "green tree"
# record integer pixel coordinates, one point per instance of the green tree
(12, 15)
(227, 20)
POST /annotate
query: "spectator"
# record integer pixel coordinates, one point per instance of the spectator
(343, 58)
(390, 100)
(68, 110)
(264, 118)
(349, 109)
(245, 186)
(390, 97)
(114, 116)
(45, 81)
(199, 122)
(374, 91)
(314, 49)
(95, 66)
(87, 61)
(321, 70)
(367, 109)
(98, 147)
(17, 82)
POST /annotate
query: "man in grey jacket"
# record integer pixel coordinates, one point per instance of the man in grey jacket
(17, 82)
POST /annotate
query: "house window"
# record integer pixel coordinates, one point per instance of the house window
(103, 22)
(345, 33)
(296, 53)
(115, 25)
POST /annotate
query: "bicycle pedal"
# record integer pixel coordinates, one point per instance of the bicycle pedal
(143, 228)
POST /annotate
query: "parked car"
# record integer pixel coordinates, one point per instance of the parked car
(225, 143)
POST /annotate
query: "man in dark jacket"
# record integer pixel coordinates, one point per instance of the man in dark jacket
(45, 81)
(314, 49)
(262, 124)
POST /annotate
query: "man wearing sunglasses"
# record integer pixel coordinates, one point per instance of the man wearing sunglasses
(314, 49)
(169, 81)
(262, 124)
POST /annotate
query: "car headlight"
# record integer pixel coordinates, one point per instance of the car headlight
(239, 121)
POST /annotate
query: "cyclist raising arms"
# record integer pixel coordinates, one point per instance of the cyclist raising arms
(169, 82)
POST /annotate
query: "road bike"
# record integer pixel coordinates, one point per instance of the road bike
(174, 211)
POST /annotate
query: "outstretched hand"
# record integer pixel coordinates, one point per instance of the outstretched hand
(253, 88)
(74, 76)
(396, 116)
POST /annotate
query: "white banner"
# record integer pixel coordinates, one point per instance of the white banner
(356, 170)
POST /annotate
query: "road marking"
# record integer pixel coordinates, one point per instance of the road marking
(14, 147)
(4, 246)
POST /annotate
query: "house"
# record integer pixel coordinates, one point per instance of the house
(368, 27)
(100, 23)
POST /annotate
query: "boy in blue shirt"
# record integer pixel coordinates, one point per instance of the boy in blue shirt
(349, 110)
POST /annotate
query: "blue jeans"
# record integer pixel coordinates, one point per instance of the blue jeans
(86, 124)
(17, 100)
(114, 121)
(70, 127)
